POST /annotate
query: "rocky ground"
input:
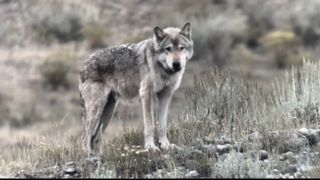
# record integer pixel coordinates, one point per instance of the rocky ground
(26, 101)
(287, 155)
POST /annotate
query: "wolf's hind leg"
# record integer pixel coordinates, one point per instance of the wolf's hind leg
(95, 134)
(96, 131)
(106, 115)
(95, 97)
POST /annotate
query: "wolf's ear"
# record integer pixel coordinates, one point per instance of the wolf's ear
(186, 30)
(159, 34)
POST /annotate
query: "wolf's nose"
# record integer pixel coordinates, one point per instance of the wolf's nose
(176, 66)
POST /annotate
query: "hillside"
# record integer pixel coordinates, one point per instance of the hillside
(248, 97)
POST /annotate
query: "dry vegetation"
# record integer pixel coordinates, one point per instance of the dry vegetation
(227, 108)
(248, 106)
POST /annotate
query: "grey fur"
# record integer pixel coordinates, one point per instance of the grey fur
(129, 73)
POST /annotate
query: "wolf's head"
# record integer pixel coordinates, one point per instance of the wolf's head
(173, 47)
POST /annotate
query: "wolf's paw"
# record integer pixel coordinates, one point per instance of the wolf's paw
(151, 146)
(166, 145)
(94, 159)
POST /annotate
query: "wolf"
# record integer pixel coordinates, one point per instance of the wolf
(130, 73)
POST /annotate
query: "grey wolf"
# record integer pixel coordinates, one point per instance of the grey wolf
(149, 69)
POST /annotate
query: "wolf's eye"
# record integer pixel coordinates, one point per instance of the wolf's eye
(168, 49)
(182, 48)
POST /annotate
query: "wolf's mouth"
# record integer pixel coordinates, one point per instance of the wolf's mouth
(167, 70)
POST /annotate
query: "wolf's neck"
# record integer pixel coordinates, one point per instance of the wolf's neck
(142, 44)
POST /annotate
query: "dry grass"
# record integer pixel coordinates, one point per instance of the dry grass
(40, 151)
(216, 104)
(219, 105)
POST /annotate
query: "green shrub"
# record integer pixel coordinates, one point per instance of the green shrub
(4, 111)
(29, 115)
(279, 39)
(233, 106)
(235, 165)
(214, 37)
(305, 23)
(103, 173)
(168, 173)
(260, 14)
(62, 26)
(133, 160)
(283, 47)
(55, 69)
(241, 54)
(194, 159)
(95, 35)
(200, 8)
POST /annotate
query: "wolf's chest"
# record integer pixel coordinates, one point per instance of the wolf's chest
(172, 82)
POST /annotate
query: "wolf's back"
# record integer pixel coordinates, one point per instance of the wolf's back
(109, 61)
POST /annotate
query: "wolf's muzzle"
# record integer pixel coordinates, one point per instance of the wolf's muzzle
(176, 66)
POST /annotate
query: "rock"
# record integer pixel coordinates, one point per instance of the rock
(221, 149)
(199, 143)
(193, 173)
(70, 163)
(23, 174)
(148, 176)
(282, 176)
(292, 142)
(239, 147)
(255, 137)
(51, 176)
(291, 169)
(210, 149)
(313, 136)
(250, 146)
(67, 176)
(253, 142)
(292, 160)
(305, 168)
(70, 170)
(226, 140)
(270, 176)
(289, 157)
(219, 141)
(297, 174)
(263, 155)
(303, 131)
(275, 171)
(208, 140)
(281, 158)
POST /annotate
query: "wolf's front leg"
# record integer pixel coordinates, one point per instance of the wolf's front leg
(146, 93)
(164, 98)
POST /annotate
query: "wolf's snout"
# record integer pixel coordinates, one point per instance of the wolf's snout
(176, 66)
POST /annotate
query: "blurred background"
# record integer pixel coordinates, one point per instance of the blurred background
(43, 43)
